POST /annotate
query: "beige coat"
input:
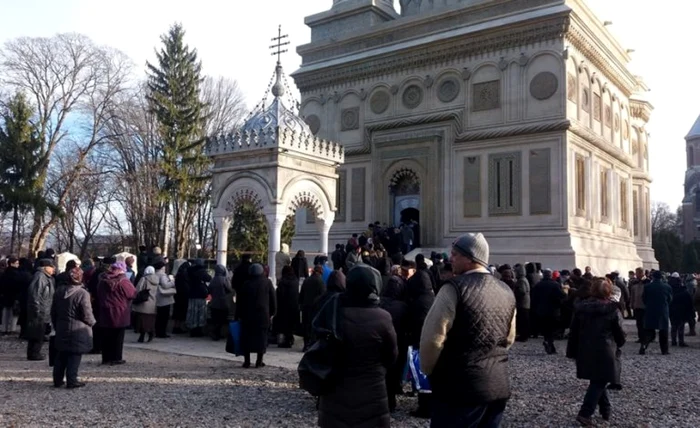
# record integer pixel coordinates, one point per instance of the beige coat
(149, 306)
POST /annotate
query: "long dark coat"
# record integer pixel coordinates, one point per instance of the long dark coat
(681, 308)
(11, 284)
(359, 399)
(72, 318)
(657, 298)
(286, 320)
(240, 275)
(39, 301)
(256, 304)
(595, 340)
(420, 297)
(300, 266)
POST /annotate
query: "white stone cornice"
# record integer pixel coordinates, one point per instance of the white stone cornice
(641, 109)
(586, 135)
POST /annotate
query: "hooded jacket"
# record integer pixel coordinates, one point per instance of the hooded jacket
(114, 293)
(219, 287)
(72, 318)
(149, 306)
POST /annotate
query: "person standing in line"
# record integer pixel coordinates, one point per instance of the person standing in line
(521, 290)
(72, 318)
(681, 310)
(114, 294)
(219, 288)
(286, 322)
(311, 290)
(10, 285)
(657, 298)
(257, 304)
(637, 298)
(39, 301)
(181, 298)
(165, 299)
(547, 299)
(198, 280)
(465, 341)
(595, 340)
(145, 322)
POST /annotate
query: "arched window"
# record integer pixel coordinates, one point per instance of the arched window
(691, 157)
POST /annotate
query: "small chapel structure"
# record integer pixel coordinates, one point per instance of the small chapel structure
(519, 119)
(275, 163)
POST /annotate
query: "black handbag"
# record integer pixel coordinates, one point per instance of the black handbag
(317, 366)
(142, 296)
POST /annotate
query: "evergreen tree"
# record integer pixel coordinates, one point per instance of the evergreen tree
(174, 97)
(248, 232)
(21, 164)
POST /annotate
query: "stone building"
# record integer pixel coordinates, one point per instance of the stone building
(690, 214)
(519, 119)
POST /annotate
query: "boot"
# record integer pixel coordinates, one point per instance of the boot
(259, 362)
(674, 343)
(150, 337)
(246, 361)
(141, 338)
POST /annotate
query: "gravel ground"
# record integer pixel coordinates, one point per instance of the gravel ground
(155, 390)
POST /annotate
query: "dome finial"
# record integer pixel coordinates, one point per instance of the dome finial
(280, 42)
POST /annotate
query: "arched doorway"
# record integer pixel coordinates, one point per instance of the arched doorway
(406, 201)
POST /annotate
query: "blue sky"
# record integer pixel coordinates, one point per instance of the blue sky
(232, 37)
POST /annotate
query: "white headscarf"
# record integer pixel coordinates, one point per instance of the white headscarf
(149, 271)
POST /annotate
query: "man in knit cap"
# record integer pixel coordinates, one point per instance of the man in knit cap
(465, 340)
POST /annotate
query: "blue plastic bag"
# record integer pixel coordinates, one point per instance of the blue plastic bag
(234, 330)
(418, 379)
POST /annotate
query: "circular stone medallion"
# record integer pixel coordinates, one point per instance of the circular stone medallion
(314, 123)
(412, 96)
(448, 90)
(349, 119)
(379, 102)
(544, 85)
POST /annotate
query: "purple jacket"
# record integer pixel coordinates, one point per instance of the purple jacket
(114, 293)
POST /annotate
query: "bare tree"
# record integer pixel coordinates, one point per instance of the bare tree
(225, 105)
(663, 219)
(73, 84)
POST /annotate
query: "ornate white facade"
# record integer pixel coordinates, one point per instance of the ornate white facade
(519, 119)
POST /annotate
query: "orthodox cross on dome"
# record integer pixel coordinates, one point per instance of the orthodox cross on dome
(280, 42)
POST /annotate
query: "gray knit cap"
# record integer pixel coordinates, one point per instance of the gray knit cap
(473, 246)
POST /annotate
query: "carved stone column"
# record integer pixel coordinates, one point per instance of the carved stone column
(274, 227)
(324, 227)
(222, 226)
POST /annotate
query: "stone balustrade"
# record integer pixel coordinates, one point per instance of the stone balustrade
(269, 138)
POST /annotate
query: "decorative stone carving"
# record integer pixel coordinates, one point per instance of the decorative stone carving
(608, 116)
(336, 97)
(596, 107)
(635, 147)
(544, 85)
(323, 99)
(505, 184)
(503, 64)
(244, 196)
(306, 200)
(428, 81)
(617, 122)
(466, 74)
(571, 88)
(314, 123)
(626, 130)
(394, 89)
(379, 102)
(523, 60)
(412, 96)
(405, 181)
(363, 94)
(586, 100)
(486, 95)
(448, 89)
(350, 119)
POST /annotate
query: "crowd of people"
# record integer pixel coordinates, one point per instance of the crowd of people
(451, 318)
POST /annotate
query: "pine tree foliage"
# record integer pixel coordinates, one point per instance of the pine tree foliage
(21, 162)
(174, 97)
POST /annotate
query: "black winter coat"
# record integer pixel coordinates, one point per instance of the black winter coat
(198, 278)
(301, 267)
(595, 340)
(287, 319)
(547, 298)
(681, 308)
(72, 318)
(420, 297)
(311, 290)
(12, 283)
(256, 304)
(359, 399)
(240, 276)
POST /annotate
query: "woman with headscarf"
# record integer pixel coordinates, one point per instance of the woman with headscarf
(182, 297)
(114, 294)
(146, 311)
(257, 303)
(286, 320)
(368, 350)
(311, 290)
(198, 281)
(72, 319)
(219, 287)
(300, 265)
(165, 297)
